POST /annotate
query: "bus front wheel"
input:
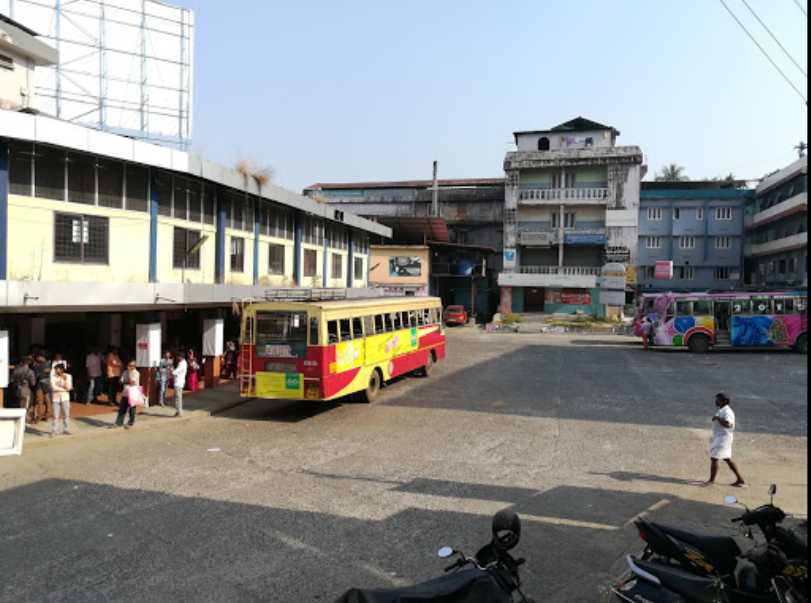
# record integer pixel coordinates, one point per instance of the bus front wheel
(699, 344)
(373, 389)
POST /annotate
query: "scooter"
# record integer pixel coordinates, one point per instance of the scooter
(491, 576)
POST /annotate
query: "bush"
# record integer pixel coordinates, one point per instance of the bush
(510, 319)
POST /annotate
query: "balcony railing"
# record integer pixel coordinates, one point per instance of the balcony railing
(545, 195)
(561, 270)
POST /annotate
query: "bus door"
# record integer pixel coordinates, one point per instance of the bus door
(721, 313)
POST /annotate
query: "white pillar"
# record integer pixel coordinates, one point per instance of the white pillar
(560, 234)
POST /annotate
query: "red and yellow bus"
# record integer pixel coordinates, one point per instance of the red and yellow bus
(323, 350)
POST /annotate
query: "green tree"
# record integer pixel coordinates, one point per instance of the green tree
(672, 172)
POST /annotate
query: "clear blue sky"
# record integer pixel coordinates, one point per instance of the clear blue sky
(375, 90)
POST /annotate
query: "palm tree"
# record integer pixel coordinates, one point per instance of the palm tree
(672, 172)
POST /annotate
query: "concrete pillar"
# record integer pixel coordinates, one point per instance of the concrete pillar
(3, 211)
(297, 259)
(219, 241)
(561, 234)
(153, 228)
(505, 305)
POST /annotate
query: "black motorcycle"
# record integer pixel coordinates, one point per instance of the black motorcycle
(491, 576)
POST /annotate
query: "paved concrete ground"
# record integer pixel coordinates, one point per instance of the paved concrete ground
(297, 502)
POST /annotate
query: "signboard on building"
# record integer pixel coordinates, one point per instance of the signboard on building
(630, 275)
(3, 358)
(213, 329)
(612, 298)
(401, 265)
(536, 239)
(147, 344)
(509, 258)
(574, 238)
(663, 270)
(578, 297)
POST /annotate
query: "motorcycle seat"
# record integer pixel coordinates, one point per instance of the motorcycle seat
(695, 588)
(722, 550)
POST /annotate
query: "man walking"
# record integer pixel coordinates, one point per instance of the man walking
(61, 384)
(723, 426)
(179, 373)
(93, 365)
(23, 381)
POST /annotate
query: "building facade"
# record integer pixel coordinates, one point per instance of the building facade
(99, 231)
(699, 226)
(776, 249)
(571, 205)
(21, 52)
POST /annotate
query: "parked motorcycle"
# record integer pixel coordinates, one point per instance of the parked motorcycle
(491, 576)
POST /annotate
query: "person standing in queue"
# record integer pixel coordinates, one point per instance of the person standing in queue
(113, 369)
(130, 379)
(723, 427)
(164, 376)
(42, 368)
(92, 363)
(24, 381)
(179, 374)
(61, 386)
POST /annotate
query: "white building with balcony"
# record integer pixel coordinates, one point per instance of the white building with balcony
(776, 222)
(571, 204)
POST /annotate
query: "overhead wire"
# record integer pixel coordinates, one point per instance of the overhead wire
(800, 6)
(774, 37)
(766, 54)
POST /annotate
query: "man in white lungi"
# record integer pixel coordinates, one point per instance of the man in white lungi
(723, 426)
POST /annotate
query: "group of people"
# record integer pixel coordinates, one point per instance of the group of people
(45, 386)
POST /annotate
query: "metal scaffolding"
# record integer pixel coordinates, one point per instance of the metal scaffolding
(125, 66)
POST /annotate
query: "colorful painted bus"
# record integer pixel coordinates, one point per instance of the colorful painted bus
(700, 321)
(323, 350)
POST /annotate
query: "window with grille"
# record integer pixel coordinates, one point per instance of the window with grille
(81, 179)
(237, 254)
(80, 239)
(337, 265)
(722, 242)
(722, 273)
(358, 269)
(50, 173)
(137, 188)
(700, 214)
(568, 220)
(685, 273)
(276, 259)
(20, 156)
(723, 213)
(676, 213)
(650, 272)
(654, 213)
(184, 240)
(687, 242)
(310, 261)
(111, 183)
(653, 242)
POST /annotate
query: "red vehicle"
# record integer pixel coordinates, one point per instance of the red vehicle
(455, 315)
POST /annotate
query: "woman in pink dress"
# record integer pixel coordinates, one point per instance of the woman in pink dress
(194, 368)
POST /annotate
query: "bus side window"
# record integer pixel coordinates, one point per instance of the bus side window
(314, 331)
(394, 319)
(801, 304)
(380, 326)
(684, 308)
(788, 305)
(369, 325)
(346, 329)
(702, 308)
(762, 306)
(332, 332)
(404, 317)
(418, 318)
(435, 315)
(357, 328)
(778, 305)
(742, 306)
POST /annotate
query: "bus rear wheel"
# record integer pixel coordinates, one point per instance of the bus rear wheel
(373, 389)
(802, 344)
(428, 368)
(699, 344)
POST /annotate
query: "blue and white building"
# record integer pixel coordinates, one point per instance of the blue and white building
(699, 226)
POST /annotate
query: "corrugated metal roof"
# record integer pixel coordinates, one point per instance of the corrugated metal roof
(453, 182)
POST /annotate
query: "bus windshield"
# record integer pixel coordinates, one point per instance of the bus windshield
(281, 334)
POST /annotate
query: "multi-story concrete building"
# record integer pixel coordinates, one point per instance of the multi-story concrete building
(99, 232)
(21, 51)
(571, 203)
(699, 226)
(776, 247)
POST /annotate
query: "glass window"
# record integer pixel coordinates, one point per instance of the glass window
(209, 205)
(684, 308)
(19, 168)
(184, 240)
(180, 202)
(49, 173)
(314, 331)
(337, 265)
(332, 332)
(357, 327)
(81, 179)
(310, 262)
(369, 325)
(276, 259)
(676, 213)
(800, 304)
(111, 183)
(237, 212)
(137, 188)
(162, 184)
(195, 202)
(762, 305)
(358, 269)
(702, 308)
(380, 326)
(81, 239)
(788, 305)
(281, 334)
(346, 329)
(742, 306)
(405, 320)
(779, 305)
(395, 321)
(237, 254)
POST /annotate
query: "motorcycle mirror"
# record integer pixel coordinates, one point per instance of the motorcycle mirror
(730, 500)
(444, 552)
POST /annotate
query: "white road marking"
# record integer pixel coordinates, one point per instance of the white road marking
(654, 507)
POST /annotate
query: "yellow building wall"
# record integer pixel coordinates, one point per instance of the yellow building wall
(246, 276)
(166, 234)
(276, 280)
(31, 243)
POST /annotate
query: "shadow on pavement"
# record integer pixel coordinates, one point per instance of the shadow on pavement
(116, 544)
(628, 476)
